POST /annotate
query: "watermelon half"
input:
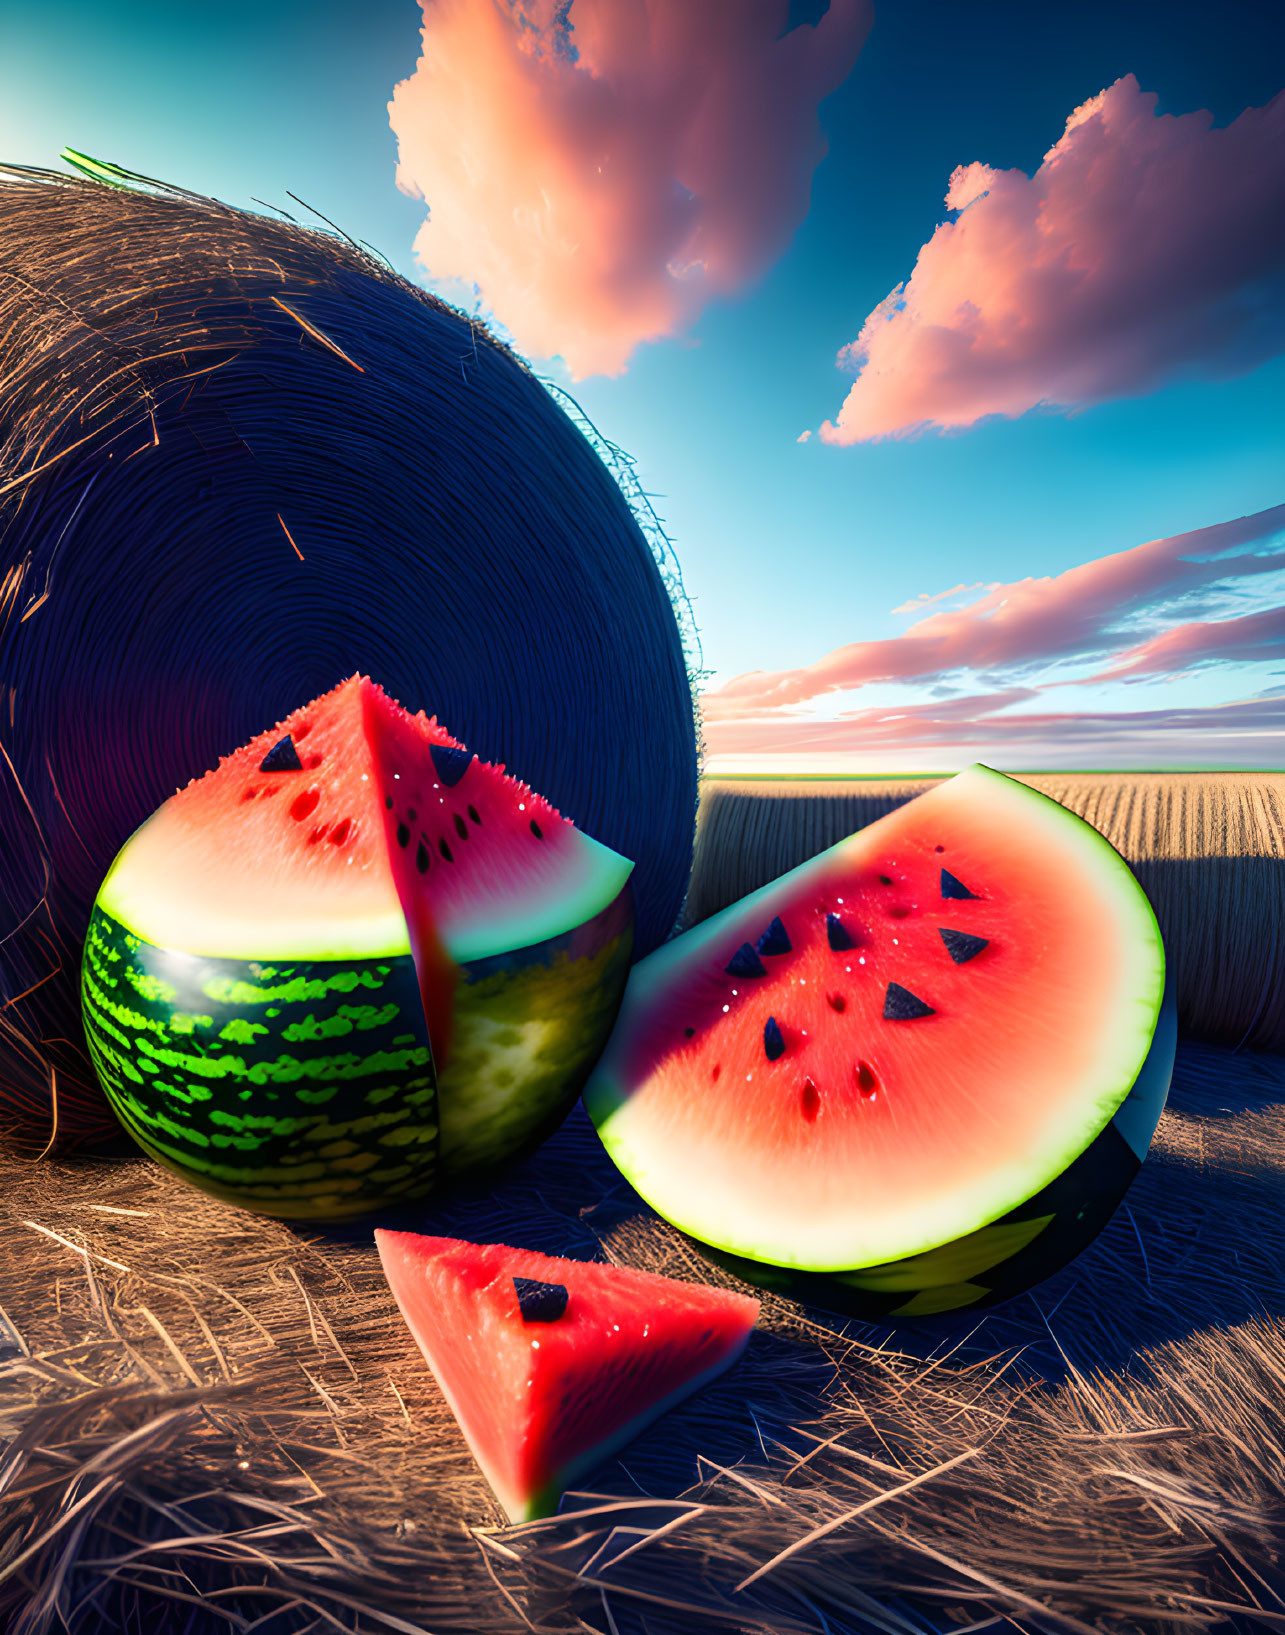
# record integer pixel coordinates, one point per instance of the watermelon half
(351, 963)
(914, 1074)
(551, 1365)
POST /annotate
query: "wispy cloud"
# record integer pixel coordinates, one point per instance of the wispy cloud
(924, 600)
(1144, 248)
(1248, 733)
(1098, 610)
(1250, 638)
(600, 168)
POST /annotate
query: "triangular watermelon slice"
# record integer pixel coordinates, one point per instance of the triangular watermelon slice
(544, 1397)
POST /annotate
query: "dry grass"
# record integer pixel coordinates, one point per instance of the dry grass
(220, 1424)
(1208, 847)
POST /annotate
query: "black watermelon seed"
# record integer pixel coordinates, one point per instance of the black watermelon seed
(866, 1077)
(461, 828)
(689, 1033)
(282, 757)
(961, 945)
(472, 812)
(403, 834)
(445, 851)
(421, 858)
(745, 962)
(773, 1043)
(836, 1001)
(540, 1302)
(950, 887)
(900, 1005)
(388, 802)
(810, 1100)
(837, 934)
(451, 763)
(884, 880)
(536, 830)
(939, 848)
(775, 939)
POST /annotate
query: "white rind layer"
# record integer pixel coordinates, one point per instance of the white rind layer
(149, 889)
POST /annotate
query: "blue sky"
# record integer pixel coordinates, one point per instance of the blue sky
(790, 550)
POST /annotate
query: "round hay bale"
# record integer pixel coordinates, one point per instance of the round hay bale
(1207, 847)
(240, 460)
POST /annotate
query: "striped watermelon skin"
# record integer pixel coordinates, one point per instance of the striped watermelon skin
(301, 1089)
(528, 1027)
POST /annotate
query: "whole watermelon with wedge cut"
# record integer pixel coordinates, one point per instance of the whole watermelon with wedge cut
(915, 1074)
(351, 964)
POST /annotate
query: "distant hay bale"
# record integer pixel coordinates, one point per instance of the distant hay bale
(240, 460)
(1208, 848)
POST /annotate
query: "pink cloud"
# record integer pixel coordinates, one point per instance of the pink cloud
(1253, 636)
(1030, 622)
(1144, 247)
(1250, 732)
(923, 599)
(599, 170)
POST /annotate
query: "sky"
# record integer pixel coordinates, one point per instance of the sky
(950, 340)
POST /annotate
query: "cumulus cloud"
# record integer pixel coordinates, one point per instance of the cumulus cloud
(1092, 611)
(1146, 247)
(600, 168)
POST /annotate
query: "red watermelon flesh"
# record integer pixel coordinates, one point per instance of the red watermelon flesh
(541, 1403)
(895, 1044)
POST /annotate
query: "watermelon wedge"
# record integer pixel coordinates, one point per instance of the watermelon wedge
(350, 963)
(916, 1073)
(551, 1365)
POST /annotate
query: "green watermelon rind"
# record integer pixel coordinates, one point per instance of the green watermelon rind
(676, 1195)
(304, 1089)
(218, 1099)
(525, 1038)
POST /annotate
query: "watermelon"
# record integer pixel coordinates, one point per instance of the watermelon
(915, 1074)
(350, 964)
(552, 1365)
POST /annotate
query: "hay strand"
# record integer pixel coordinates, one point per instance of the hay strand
(1096, 1456)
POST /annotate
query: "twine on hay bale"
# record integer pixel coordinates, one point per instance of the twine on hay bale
(214, 1419)
(1208, 848)
(240, 460)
